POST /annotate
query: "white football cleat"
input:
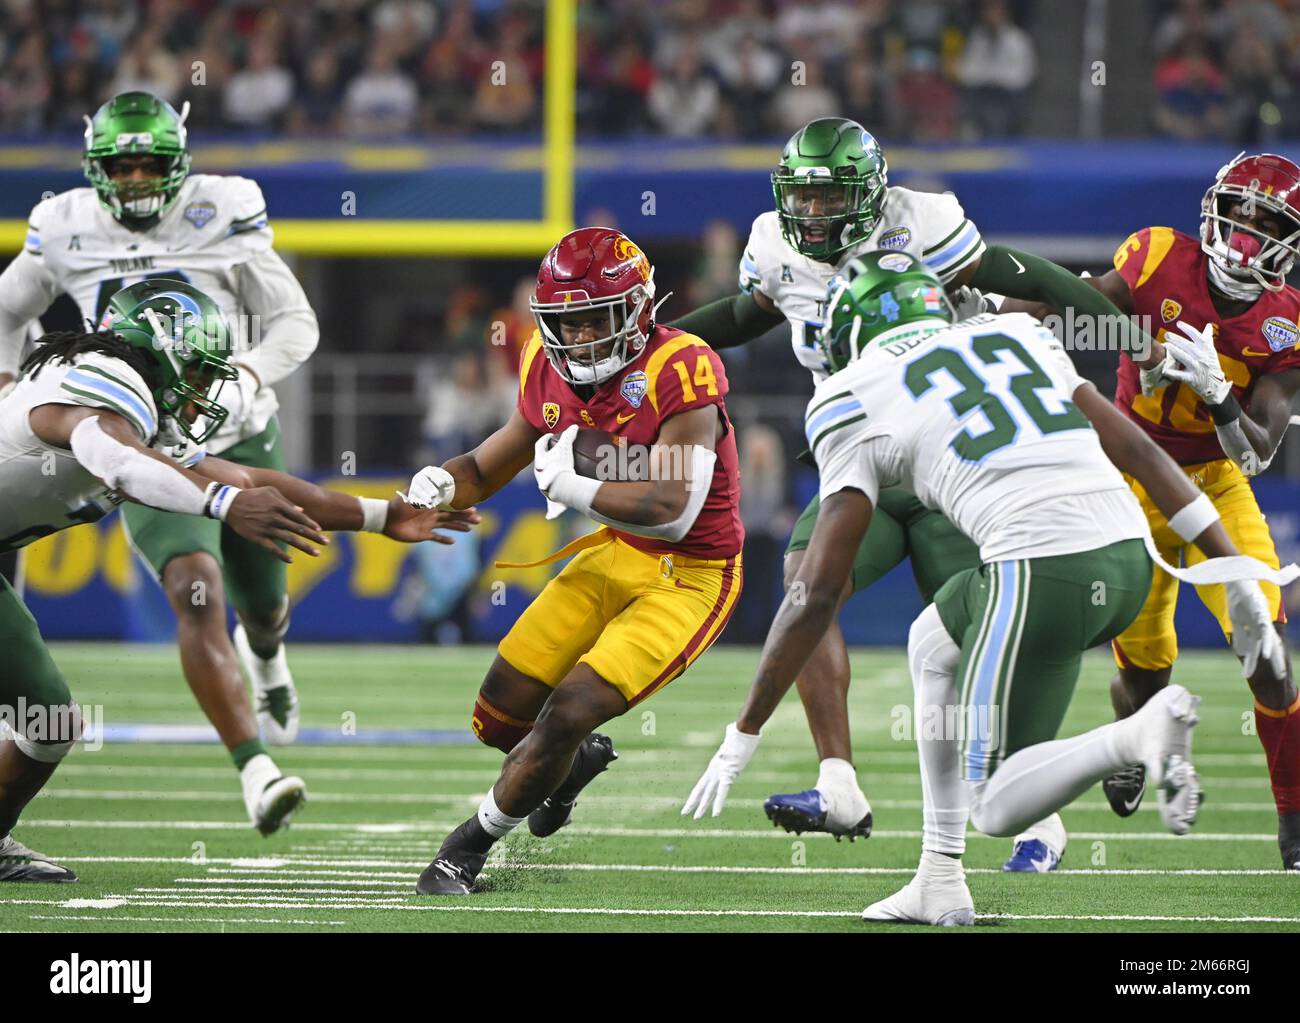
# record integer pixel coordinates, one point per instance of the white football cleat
(277, 699)
(937, 896)
(1165, 740)
(270, 809)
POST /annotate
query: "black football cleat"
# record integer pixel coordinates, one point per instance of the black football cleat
(18, 863)
(1288, 839)
(458, 863)
(594, 755)
(1124, 789)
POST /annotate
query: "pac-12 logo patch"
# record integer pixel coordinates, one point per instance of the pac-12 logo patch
(896, 239)
(550, 413)
(1169, 310)
(200, 212)
(1280, 333)
(634, 387)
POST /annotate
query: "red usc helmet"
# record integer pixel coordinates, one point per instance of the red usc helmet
(1264, 182)
(595, 269)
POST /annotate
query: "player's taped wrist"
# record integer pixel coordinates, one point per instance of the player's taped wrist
(1191, 520)
(574, 491)
(217, 500)
(143, 478)
(1236, 445)
(374, 514)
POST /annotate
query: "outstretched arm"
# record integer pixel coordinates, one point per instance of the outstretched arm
(732, 321)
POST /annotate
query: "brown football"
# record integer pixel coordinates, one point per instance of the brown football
(601, 455)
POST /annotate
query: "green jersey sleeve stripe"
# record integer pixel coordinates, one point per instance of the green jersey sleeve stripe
(823, 404)
(120, 381)
(244, 220)
(833, 427)
(102, 402)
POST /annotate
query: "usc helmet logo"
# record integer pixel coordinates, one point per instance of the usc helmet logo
(625, 248)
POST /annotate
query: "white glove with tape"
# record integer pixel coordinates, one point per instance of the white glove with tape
(1253, 637)
(1196, 363)
(725, 767)
(431, 487)
(556, 476)
(237, 397)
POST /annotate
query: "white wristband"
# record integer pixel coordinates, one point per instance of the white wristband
(1193, 519)
(217, 500)
(574, 491)
(374, 514)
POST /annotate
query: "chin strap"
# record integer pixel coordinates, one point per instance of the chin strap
(1233, 286)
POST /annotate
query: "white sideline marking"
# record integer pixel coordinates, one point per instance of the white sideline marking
(337, 904)
(631, 806)
(438, 830)
(192, 920)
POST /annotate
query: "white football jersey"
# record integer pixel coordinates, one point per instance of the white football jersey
(930, 226)
(977, 421)
(44, 489)
(216, 225)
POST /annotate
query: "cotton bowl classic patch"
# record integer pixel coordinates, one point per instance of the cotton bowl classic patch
(1280, 333)
(896, 238)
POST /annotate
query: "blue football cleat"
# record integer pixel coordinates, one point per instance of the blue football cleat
(798, 812)
(1032, 856)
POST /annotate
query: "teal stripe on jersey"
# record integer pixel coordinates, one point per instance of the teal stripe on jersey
(101, 401)
(832, 428)
(86, 367)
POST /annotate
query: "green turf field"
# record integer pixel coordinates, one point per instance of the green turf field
(159, 836)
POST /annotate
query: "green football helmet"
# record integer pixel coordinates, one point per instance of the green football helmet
(829, 187)
(876, 294)
(137, 124)
(187, 337)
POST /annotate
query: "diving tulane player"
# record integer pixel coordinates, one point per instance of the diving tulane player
(121, 414)
(987, 421)
(147, 217)
(833, 203)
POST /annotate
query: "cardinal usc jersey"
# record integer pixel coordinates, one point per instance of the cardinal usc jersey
(1168, 278)
(675, 372)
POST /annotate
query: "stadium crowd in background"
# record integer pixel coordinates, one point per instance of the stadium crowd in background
(742, 69)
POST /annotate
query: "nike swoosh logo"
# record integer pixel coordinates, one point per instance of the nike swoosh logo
(623, 419)
(1020, 267)
(1259, 355)
(1131, 804)
(682, 586)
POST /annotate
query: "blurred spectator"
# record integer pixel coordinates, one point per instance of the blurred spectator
(715, 273)
(684, 102)
(925, 104)
(505, 96)
(996, 68)
(513, 325)
(25, 87)
(460, 410)
(1191, 104)
(147, 66)
(1256, 87)
(439, 592)
(803, 98)
(317, 108)
(1189, 18)
(382, 100)
(259, 95)
(749, 72)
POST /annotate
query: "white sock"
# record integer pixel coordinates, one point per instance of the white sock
(257, 774)
(837, 775)
(496, 823)
(1039, 780)
(932, 656)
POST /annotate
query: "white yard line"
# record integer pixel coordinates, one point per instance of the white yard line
(192, 920)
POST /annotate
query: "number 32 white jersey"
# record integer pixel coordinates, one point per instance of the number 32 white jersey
(976, 420)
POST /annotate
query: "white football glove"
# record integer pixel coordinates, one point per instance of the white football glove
(967, 301)
(237, 397)
(1196, 363)
(553, 466)
(1253, 636)
(725, 767)
(431, 487)
(1151, 380)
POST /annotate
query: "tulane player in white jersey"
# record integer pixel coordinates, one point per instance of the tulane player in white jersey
(988, 423)
(833, 203)
(121, 415)
(147, 217)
